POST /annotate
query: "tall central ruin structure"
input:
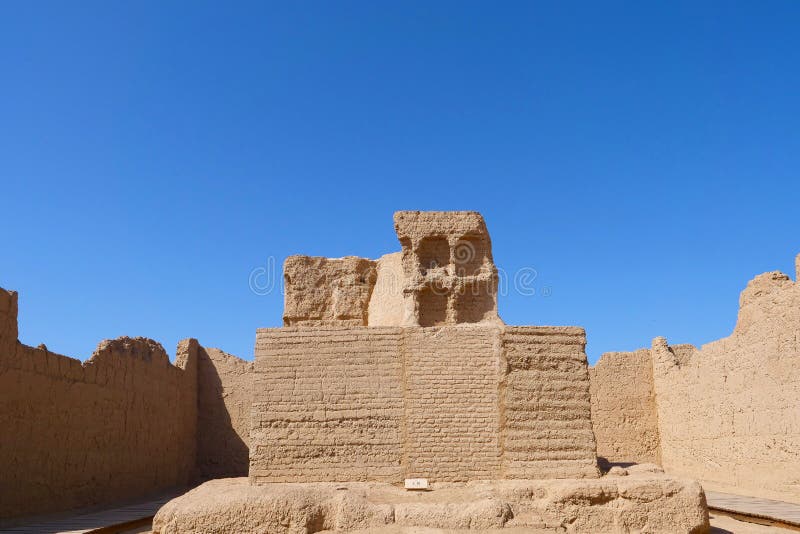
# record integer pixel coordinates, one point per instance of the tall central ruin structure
(401, 368)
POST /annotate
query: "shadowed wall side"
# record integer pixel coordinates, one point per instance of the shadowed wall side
(225, 394)
(120, 425)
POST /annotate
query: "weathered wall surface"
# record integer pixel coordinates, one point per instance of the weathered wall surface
(8, 320)
(328, 405)
(124, 424)
(729, 413)
(225, 396)
(120, 425)
(327, 291)
(624, 407)
(452, 413)
(450, 276)
(547, 428)
(451, 403)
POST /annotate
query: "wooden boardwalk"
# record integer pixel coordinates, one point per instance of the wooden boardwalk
(103, 522)
(783, 512)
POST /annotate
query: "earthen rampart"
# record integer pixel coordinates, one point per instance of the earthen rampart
(727, 413)
(124, 424)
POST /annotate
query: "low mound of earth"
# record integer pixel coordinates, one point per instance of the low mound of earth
(619, 502)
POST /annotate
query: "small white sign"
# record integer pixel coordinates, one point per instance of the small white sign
(416, 483)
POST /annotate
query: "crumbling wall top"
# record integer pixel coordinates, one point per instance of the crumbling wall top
(320, 291)
(8, 319)
(416, 225)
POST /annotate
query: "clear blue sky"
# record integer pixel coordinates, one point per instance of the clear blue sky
(644, 159)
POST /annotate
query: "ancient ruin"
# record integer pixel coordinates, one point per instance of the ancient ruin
(727, 413)
(399, 369)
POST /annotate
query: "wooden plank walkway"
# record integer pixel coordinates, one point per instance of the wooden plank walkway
(97, 521)
(783, 512)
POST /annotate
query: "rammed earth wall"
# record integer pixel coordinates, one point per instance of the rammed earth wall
(727, 413)
(122, 425)
(449, 403)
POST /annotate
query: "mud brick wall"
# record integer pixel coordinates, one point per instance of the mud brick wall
(328, 405)
(729, 412)
(224, 400)
(547, 427)
(8, 321)
(452, 403)
(121, 425)
(124, 424)
(624, 407)
(327, 291)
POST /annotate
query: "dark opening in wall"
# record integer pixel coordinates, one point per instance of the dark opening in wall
(474, 303)
(433, 252)
(432, 306)
(469, 254)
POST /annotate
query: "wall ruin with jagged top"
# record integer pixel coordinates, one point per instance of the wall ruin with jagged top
(122, 425)
(118, 426)
(327, 291)
(426, 382)
(727, 413)
(444, 275)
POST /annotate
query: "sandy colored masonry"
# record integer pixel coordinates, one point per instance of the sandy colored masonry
(727, 413)
(123, 424)
(624, 407)
(452, 403)
(444, 275)
(401, 367)
(441, 390)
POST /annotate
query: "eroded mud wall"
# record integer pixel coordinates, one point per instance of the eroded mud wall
(624, 407)
(123, 425)
(119, 426)
(449, 404)
(225, 396)
(729, 413)
(546, 410)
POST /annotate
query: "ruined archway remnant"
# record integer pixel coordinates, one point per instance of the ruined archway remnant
(401, 368)
(444, 275)
(389, 369)
(447, 262)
